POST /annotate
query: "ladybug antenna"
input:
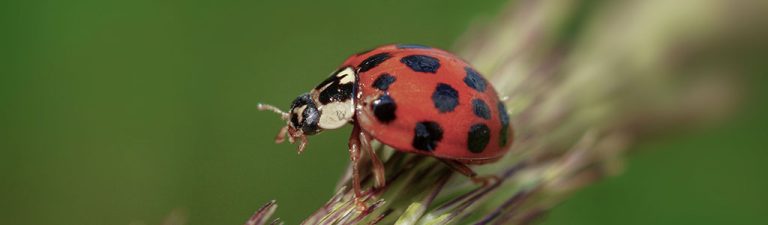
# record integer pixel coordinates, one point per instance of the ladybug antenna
(266, 107)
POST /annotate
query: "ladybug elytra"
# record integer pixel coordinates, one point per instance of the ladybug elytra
(413, 98)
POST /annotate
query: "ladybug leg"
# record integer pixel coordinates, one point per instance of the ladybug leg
(292, 135)
(295, 133)
(459, 167)
(378, 167)
(486, 180)
(280, 138)
(354, 156)
(302, 143)
(466, 171)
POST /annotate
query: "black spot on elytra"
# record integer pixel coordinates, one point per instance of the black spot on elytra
(373, 61)
(481, 109)
(335, 91)
(445, 98)
(383, 81)
(421, 63)
(427, 135)
(416, 46)
(478, 137)
(474, 79)
(504, 118)
(384, 109)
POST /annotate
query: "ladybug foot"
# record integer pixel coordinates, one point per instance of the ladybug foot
(486, 180)
(360, 204)
(280, 137)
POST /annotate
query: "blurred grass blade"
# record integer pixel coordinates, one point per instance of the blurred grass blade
(261, 216)
(583, 81)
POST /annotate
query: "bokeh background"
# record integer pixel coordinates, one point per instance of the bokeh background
(122, 112)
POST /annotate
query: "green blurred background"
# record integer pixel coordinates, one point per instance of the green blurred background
(115, 112)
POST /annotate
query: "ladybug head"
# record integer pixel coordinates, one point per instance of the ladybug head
(304, 115)
(330, 105)
(301, 120)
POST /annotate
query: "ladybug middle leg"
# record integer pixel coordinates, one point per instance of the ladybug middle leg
(466, 171)
(354, 156)
(378, 166)
(357, 140)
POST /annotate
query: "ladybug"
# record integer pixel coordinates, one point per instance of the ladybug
(413, 98)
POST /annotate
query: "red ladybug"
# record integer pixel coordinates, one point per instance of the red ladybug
(413, 98)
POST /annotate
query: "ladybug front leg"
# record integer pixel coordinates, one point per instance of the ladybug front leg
(280, 138)
(378, 167)
(354, 156)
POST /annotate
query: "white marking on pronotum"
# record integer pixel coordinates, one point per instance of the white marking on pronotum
(336, 114)
(347, 75)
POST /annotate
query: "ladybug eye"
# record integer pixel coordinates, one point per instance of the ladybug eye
(310, 117)
(295, 120)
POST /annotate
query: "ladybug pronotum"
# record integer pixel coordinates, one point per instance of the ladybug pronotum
(413, 98)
